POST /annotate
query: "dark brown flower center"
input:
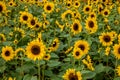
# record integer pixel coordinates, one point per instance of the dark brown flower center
(25, 17)
(48, 7)
(91, 24)
(87, 9)
(35, 49)
(68, 4)
(1, 8)
(82, 47)
(37, 26)
(107, 38)
(32, 22)
(75, 26)
(73, 77)
(54, 44)
(46, 56)
(119, 50)
(104, 0)
(77, 53)
(100, 9)
(106, 13)
(7, 53)
(92, 15)
(76, 4)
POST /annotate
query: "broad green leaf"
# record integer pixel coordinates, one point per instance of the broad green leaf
(99, 68)
(34, 78)
(53, 63)
(27, 77)
(88, 74)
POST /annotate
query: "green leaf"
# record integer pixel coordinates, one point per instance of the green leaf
(88, 74)
(117, 78)
(53, 55)
(99, 68)
(34, 78)
(27, 77)
(2, 68)
(53, 63)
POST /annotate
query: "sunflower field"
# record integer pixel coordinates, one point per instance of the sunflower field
(59, 39)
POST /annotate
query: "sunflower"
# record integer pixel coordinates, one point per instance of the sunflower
(116, 50)
(82, 45)
(59, 25)
(25, 17)
(100, 8)
(11, 3)
(47, 57)
(69, 4)
(35, 50)
(7, 53)
(19, 31)
(118, 9)
(92, 15)
(95, 1)
(67, 14)
(107, 51)
(87, 9)
(105, 1)
(49, 7)
(76, 4)
(106, 39)
(68, 50)
(2, 37)
(119, 38)
(37, 26)
(19, 50)
(118, 70)
(77, 15)
(55, 44)
(77, 53)
(32, 22)
(88, 63)
(105, 12)
(71, 74)
(2, 6)
(91, 25)
(45, 24)
(76, 27)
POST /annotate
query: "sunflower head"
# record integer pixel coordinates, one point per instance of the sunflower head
(118, 70)
(87, 9)
(35, 50)
(76, 27)
(67, 15)
(77, 53)
(105, 12)
(49, 7)
(106, 39)
(76, 4)
(2, 37)
(116, 50)
(82, 45)
(68, 4)
(25, 17)
(32, 22)
(2, 6)
(91, 25)
(55, 44)
(71, 74)
(47, 57)
(7, 53)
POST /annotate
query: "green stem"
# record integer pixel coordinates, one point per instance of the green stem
(43, 72)
(38, 70)
(115, 68)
